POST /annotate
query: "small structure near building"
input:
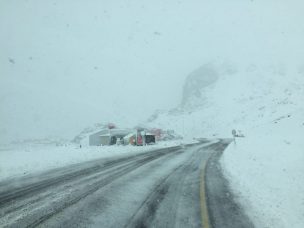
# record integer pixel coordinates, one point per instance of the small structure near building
(157, 133)
(150, 139)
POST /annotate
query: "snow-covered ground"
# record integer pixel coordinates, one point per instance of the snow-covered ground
(266, 170)
(266, 167)
(30, 159)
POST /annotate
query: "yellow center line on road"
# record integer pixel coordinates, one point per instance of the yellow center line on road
(203, 198)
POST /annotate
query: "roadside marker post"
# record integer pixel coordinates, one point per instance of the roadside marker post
(234, 135)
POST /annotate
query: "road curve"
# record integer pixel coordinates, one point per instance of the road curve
(160, 188)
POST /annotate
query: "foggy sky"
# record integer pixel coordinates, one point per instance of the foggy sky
(65, 65)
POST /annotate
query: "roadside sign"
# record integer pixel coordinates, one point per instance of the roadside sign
(234, 133)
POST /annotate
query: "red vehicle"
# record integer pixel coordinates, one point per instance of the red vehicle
(139, 140)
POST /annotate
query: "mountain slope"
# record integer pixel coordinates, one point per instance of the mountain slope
(265, 168)
(236, 98)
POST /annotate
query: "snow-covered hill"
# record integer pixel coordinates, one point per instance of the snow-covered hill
(265, 103)
(221, 98)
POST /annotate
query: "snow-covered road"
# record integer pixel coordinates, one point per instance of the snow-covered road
(161, 188)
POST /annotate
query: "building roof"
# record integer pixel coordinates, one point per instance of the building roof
(116, 132)
(112, 132)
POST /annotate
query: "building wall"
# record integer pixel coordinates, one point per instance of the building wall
(94, 139)
(105, 140)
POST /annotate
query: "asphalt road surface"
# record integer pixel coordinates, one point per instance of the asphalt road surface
(182, 186)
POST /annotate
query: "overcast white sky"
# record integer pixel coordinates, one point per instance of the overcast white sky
(66, 64)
